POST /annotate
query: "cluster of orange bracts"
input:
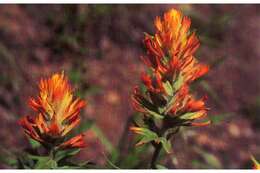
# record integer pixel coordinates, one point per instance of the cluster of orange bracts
(57, 113)
(170, 59)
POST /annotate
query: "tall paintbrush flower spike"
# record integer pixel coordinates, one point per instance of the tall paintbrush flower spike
(173, 66)
(57, 113)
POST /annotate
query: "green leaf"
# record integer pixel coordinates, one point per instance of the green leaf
(149, 108)
(8, 157)
(72, 165)
(143, 88)
(132, 160)
(84, 126)
(69, 167)
(158, 166)
(167, 146)
(139, 119)
(110, 162)
(8, 161)
(197, 164)
(108, 145)
(178, 83)
(154, 114)
(92, 90)
(189, 115)
(168, 107)
(147, 136)
(216, 119)
(34, 157)
(66, 167)
(75, 76)
(168, 88)
(84, 164)
(34, 144)
(45, 163)
(66, 153)
(210, 159)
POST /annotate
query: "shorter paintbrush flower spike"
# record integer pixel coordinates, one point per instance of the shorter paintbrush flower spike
(57, 113)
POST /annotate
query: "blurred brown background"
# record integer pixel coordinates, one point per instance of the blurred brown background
(98, 47)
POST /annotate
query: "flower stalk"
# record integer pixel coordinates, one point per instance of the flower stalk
(157, 149)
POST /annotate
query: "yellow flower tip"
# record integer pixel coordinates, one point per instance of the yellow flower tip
(137, 130)
(133, 128)
(175, 14)
(158, 24)
(139, 144)
(57, 113)
(201, 124)
(256, 164)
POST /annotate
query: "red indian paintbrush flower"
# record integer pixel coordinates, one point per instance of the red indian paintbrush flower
(173, 67)
(57, 113)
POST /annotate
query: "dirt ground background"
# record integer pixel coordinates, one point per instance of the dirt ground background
(99, 48)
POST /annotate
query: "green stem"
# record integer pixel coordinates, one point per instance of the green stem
(52, 153)
(156, 153)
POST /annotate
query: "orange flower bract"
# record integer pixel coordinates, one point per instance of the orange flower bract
(57, 113)
(173, 67)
